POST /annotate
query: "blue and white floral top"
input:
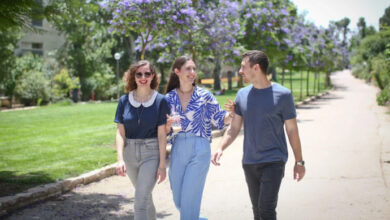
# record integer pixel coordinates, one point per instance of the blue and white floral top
(202, 111)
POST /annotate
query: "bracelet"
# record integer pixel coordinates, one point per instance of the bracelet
(162, 168)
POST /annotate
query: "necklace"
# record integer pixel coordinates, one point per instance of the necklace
(139, 115)
(142, 100)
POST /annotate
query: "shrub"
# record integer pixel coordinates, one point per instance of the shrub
(31, 87)
(63, 84)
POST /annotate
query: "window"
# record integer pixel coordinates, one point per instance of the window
(36, 46)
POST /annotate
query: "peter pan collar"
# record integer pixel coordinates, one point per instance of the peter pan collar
(136, 104)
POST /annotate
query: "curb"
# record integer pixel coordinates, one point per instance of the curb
(43, 192)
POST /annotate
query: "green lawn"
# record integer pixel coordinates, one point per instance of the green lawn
(296, 82)
(46, 144)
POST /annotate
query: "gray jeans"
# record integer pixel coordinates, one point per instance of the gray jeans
(142, 158)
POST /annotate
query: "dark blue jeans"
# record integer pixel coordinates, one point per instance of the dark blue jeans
(263, 182)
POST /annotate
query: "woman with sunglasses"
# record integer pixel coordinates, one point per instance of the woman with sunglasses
(141, 136)
(190, 155)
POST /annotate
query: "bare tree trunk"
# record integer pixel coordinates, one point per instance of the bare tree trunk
(319, 82)
(315, 82)
(327, 82)
(301, 84)
(291, 84)
(307, 82)
(216, 74)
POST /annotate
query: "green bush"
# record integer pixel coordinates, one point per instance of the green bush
(63, 84)
(383, 97)
(31, 87)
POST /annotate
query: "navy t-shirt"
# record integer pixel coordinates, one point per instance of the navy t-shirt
(150, 117)
(264, 112)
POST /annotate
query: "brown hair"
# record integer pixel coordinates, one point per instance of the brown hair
(173, 81)
(257, 57)
(129, 76)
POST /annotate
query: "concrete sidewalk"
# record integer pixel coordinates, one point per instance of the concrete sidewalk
(345, 139)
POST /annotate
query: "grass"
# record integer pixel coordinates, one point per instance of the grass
(296, 81)
(51, 143)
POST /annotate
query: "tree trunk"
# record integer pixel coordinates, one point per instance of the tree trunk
(240, 82)
(301, 88)
(291, 84)
(327, 80)
(315, 82)
(283, 75)
(319, 82)
(216, 74)
(307, 83)
(229, 76)
(143, 53)
(162, 79)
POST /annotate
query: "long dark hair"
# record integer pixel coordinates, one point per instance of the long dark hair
(173, 81)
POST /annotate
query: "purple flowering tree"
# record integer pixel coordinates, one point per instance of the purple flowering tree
(210, 37)
(218, 30)
(267, 25)
(150, 19)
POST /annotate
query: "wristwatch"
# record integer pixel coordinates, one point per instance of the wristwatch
(300, 163)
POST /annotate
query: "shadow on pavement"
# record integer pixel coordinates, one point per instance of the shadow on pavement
(309, 106)
(305, 120)
(11, 183)
(81, 206)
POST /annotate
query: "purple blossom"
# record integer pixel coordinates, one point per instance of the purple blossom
(283, 11)
(188, 12)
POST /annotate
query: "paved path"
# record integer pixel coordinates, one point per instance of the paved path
(344, 144)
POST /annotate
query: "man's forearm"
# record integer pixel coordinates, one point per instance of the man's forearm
(229, 136)
(295, 143)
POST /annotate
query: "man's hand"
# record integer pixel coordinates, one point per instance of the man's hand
(299, 172)
(216, 157)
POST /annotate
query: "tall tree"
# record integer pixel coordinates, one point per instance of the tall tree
(8, 40)
(88, 44)
(342, 25)
(21, 12)
(362, 27)
(149, 19)
(385, 19)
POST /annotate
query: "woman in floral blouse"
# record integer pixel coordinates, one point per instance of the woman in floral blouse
(190, 155)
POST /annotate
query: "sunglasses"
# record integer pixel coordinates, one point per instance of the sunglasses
(146, 75)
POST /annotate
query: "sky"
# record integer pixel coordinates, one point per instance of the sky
(321, 12)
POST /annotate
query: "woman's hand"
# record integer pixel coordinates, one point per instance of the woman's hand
(169, 123)
(121, 168)
(161, 174)
(230, 106)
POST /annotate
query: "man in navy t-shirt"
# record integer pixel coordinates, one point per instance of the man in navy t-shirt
(264, 108)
